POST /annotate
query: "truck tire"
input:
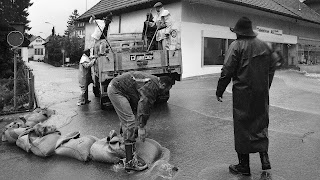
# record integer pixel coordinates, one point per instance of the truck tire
(96, 91)
(102, 105)
(105, 103)
(163, 98)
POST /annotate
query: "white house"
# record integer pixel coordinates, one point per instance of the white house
(36, 48)
(205, 27)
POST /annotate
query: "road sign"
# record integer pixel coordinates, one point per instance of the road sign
(15, 38)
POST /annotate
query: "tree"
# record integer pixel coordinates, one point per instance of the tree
(70, 24)
(10, 11)
(73, 44)
(15, 11)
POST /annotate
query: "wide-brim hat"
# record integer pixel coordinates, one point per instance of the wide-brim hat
(158, 4)
(108, 17)
(244, 27)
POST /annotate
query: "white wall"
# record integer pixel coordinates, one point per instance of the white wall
(24, 54)
(133, 22)
(191, 45)
(36, 45)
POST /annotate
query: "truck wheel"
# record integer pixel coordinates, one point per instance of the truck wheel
(105, 103)
(163, 98)
(96, 91)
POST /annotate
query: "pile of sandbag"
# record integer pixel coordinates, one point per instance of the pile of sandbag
(33, 136)
(45, 140)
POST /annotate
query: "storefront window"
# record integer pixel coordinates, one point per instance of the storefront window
(308, 54)
(214, 50)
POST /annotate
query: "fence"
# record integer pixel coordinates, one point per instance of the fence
(20, 98)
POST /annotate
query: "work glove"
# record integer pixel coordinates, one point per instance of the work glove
(142, 134)
(143, 120)
(219, 98)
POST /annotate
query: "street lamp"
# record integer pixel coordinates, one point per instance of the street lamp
(53, 29)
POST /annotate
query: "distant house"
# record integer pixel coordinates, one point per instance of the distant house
(204, 27)
(36, 48)
(79, 29)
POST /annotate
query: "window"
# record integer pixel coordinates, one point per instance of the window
(38, 51)
(214, 50)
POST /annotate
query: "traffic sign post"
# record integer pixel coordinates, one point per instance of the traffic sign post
(15, 39)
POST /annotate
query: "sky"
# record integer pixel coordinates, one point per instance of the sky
(56, 12)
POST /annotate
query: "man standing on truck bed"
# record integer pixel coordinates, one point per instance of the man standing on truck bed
(135, 92)
(164, 25)
(149, 29)
(100, 31)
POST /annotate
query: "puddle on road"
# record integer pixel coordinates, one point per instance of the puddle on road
(221, 172)
(160, 170)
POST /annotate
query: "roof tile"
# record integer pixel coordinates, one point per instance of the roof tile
(291, 8)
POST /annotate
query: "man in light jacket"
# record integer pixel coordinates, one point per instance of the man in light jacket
(164, 25)
(100, 31)
(85, 78)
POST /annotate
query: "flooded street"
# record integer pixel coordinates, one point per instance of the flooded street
(193, 125)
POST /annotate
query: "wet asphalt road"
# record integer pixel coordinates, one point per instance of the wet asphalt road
(193, 125)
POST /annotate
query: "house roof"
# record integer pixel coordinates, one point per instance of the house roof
(118, 6)
(34, 38)
(289, 8)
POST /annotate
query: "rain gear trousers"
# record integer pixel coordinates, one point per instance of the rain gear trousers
(85, 77)
(250, 65)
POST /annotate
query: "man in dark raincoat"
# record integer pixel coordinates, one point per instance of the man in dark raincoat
(250, 63)
(135, 92)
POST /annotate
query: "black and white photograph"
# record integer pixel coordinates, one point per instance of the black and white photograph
(160, 89)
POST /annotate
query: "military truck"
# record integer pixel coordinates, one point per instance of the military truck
(127, 52)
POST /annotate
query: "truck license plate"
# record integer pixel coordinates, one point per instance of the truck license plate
(139, 57)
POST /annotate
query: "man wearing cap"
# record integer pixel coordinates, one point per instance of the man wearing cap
(85, 78)
(250, 64)
(134, 93)
(100, 31)
(164, 25)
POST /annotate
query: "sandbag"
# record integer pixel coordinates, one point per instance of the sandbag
(65, 138)
(16, 124)
(102, 151)
(37, 116)
(23, 142)
(41, 139)
(11, 134)
(149, 150)
(78, 148)
(44, 146)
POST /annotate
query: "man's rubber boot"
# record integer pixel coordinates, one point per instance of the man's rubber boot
(264, 157)
(243, 167)
(133, 162)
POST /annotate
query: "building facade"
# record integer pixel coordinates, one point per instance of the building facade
(79, 29)
(204, 27)
(36, 49)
